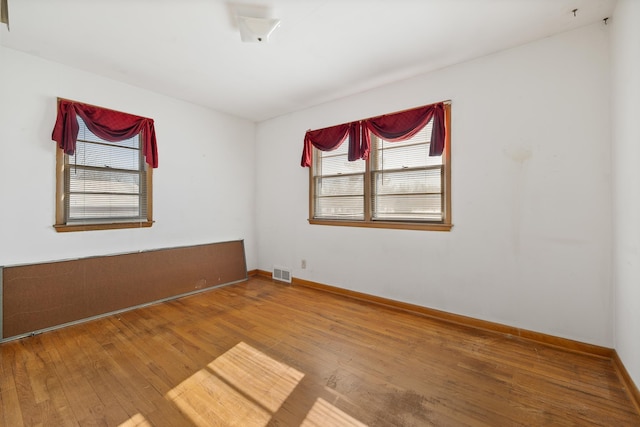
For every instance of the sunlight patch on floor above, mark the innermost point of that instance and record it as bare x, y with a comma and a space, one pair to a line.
257, 375
324, 414
242, 387
138, 420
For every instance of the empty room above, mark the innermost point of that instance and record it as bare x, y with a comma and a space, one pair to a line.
319, 213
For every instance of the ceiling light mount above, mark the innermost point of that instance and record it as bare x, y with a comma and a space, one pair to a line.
256, 30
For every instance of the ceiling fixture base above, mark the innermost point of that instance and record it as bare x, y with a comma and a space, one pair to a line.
256, 30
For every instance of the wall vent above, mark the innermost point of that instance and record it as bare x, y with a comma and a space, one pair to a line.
282, 274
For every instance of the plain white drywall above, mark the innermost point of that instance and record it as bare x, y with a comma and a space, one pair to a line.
625, 72
531, 242
203, 190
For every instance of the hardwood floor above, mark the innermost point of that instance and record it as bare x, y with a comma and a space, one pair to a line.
261, 353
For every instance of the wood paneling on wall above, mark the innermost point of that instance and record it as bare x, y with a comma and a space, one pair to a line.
41, 296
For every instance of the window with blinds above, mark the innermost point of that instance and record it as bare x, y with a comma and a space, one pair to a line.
338, 185
105, 182
399, 186
406, 183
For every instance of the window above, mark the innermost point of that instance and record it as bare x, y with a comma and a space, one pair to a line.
338, 185
102, 184
399, 186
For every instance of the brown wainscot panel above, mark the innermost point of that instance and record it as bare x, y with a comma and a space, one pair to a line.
41, 296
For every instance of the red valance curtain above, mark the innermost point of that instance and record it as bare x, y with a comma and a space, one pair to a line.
390, 127
107, 124
406, 124
330, 138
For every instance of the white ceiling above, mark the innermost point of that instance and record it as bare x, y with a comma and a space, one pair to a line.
323, 50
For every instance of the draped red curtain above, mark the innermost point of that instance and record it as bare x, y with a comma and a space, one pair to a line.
326, 139
390, 127
406, 124
107, 124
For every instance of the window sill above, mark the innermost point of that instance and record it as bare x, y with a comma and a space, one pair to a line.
422, 226
62, 228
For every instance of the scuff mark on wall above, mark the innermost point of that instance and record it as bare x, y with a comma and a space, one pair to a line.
520, 156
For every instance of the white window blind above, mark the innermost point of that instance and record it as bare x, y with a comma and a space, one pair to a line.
338, 185
105, 181
406, 183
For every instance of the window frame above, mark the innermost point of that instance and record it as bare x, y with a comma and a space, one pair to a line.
444, 225
61, 224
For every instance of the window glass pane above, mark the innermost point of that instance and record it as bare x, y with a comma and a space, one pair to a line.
338, 165
103, 181
408, 182
105, 156
390, 156
409, 207
103, 206
348, 208
340, 186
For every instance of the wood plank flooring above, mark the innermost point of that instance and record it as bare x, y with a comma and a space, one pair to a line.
261, 353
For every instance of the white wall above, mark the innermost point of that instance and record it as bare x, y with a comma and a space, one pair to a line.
625, 52
531, 243
204, 188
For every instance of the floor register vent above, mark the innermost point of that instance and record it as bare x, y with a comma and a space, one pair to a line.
282, 274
